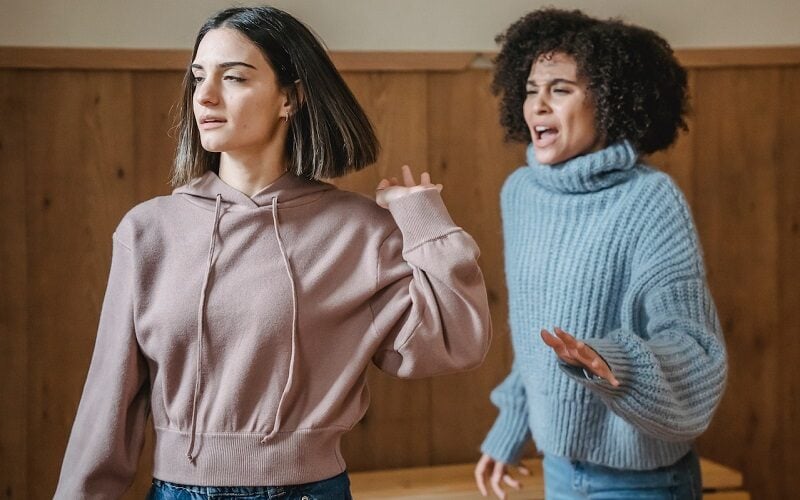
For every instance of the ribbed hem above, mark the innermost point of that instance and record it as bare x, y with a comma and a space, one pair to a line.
421, 217
288, 458
591, 432
507, 437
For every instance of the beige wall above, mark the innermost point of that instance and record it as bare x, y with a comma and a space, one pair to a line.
417, 25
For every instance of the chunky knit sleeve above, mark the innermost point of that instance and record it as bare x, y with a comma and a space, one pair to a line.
669, 354
108, 431
510, 432
430, 305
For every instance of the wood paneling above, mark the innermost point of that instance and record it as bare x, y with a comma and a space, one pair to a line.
82, 147
400, 412
736, 207
468, 156
13, 293
76, 194
787, 450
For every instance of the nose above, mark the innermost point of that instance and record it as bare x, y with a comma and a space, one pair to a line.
206, 93
540, 103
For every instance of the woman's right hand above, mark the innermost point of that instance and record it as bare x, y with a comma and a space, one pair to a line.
498, 474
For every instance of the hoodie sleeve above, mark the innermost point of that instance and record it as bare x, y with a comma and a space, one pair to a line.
430, 307
108, 431
672, 365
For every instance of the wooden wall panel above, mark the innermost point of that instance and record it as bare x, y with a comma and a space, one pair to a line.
85, 146
76, 194
13, 292
736, 209
400, 411
468, 156
155, 99
787, 452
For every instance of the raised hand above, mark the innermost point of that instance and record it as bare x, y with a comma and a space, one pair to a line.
391, 189
576, 353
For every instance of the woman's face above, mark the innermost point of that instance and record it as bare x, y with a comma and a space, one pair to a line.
559, 111
238, 104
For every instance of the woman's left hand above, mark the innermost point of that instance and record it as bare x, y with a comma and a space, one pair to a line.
576, 353
390, 189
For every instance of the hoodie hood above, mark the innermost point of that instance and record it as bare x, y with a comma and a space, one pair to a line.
289, 189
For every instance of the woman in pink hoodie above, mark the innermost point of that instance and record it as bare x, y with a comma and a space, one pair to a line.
243, 310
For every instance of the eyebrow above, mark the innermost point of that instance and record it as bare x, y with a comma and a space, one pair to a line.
226, 65
553, 81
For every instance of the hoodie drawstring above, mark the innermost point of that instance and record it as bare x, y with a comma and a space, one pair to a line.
200, 325
290, 376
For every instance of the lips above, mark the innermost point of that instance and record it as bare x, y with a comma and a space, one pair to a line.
210, 122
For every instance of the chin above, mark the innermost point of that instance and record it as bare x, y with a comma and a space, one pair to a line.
548, 159
212, 147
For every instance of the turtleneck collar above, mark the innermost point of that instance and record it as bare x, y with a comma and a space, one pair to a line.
583, 174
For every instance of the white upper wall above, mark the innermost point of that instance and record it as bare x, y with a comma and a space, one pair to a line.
404, 25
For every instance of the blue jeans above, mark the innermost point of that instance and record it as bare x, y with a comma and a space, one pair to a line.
335, 488
566, 479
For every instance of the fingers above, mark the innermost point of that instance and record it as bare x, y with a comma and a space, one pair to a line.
383, 184
601, 369
424, 179
587, 357
480, 473
559, 347
408, 177
551, 340
523, 470
577, 350
511, 482
497, 476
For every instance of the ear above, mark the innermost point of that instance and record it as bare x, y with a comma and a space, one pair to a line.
294, 96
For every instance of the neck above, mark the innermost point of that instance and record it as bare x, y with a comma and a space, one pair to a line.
251, 172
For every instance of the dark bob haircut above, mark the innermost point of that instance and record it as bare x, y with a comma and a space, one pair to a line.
637, 85
329, 134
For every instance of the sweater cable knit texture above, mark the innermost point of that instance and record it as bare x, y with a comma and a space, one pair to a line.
605, 248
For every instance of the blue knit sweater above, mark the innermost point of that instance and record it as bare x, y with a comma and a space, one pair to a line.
605, 248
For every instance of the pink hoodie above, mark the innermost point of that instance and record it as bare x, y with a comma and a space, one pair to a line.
245, 325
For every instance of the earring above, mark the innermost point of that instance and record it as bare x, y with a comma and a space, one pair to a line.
285, 118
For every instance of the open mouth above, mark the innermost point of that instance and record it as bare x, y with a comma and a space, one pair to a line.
543, 132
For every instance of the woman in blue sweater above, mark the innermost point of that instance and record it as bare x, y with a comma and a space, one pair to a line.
619, 358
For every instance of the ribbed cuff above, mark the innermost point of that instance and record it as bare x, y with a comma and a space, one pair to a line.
421, 217
507, 437
618, 358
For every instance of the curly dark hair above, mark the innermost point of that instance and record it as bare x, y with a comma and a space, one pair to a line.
637, 85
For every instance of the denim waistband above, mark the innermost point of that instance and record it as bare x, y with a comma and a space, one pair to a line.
165, 490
